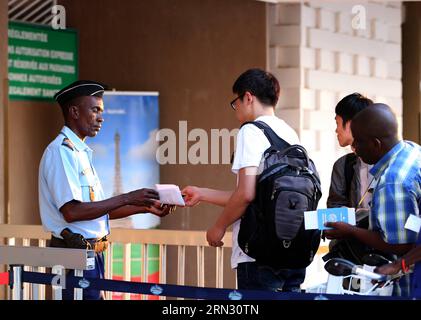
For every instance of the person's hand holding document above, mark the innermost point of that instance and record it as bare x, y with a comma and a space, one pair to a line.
170, 194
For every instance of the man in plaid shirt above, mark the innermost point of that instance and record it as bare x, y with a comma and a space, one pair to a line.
396, 185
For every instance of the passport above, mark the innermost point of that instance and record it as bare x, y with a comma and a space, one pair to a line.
317, 219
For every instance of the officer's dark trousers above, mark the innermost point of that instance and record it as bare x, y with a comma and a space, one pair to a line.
98, 272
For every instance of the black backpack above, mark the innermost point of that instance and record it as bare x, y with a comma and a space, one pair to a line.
272, 228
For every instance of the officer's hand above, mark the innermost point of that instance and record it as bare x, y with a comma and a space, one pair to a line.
143, 197
161, 210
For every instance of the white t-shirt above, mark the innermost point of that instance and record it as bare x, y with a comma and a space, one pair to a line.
251, 144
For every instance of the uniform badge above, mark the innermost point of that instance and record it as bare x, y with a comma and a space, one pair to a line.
69, 144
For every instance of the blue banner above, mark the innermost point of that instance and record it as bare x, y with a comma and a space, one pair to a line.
125, 148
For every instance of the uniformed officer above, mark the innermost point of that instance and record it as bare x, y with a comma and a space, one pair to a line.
71, 199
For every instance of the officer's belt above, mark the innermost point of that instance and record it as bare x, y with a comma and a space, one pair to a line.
98, 245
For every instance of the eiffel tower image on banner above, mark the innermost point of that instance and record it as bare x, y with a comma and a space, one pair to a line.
118, 184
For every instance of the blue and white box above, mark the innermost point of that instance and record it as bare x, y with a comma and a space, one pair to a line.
317, 219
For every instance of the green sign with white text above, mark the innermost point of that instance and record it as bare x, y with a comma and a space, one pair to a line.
41, 60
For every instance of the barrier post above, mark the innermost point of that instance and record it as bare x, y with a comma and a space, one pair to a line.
70, 259
58, 282
16, 282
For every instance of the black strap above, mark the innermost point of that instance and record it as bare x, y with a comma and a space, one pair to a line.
350, 161
273, 138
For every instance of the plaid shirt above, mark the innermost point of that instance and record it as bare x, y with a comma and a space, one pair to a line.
396, 195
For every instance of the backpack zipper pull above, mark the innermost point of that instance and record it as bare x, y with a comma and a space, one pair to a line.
273, 195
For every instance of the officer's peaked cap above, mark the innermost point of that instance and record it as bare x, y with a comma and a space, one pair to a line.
80, 88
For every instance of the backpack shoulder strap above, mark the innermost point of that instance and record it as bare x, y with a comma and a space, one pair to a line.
273, 138
350, 160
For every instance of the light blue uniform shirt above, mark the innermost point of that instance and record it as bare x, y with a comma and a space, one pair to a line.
66, 173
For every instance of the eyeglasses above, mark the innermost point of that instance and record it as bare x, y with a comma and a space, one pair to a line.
232, 103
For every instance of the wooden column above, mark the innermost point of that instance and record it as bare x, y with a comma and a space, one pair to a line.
3, 110
411, 72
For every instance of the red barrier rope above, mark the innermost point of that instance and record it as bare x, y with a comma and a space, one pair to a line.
4, 278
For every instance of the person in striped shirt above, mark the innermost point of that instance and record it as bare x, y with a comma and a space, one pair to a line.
396, 185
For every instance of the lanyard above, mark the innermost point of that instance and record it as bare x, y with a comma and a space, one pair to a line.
366, 192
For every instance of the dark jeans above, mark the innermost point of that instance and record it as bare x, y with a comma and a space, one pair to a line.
98, 272
252, 276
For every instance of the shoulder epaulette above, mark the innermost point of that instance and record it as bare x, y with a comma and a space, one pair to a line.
69, 144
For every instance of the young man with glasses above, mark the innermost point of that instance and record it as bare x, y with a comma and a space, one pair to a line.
257, 93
